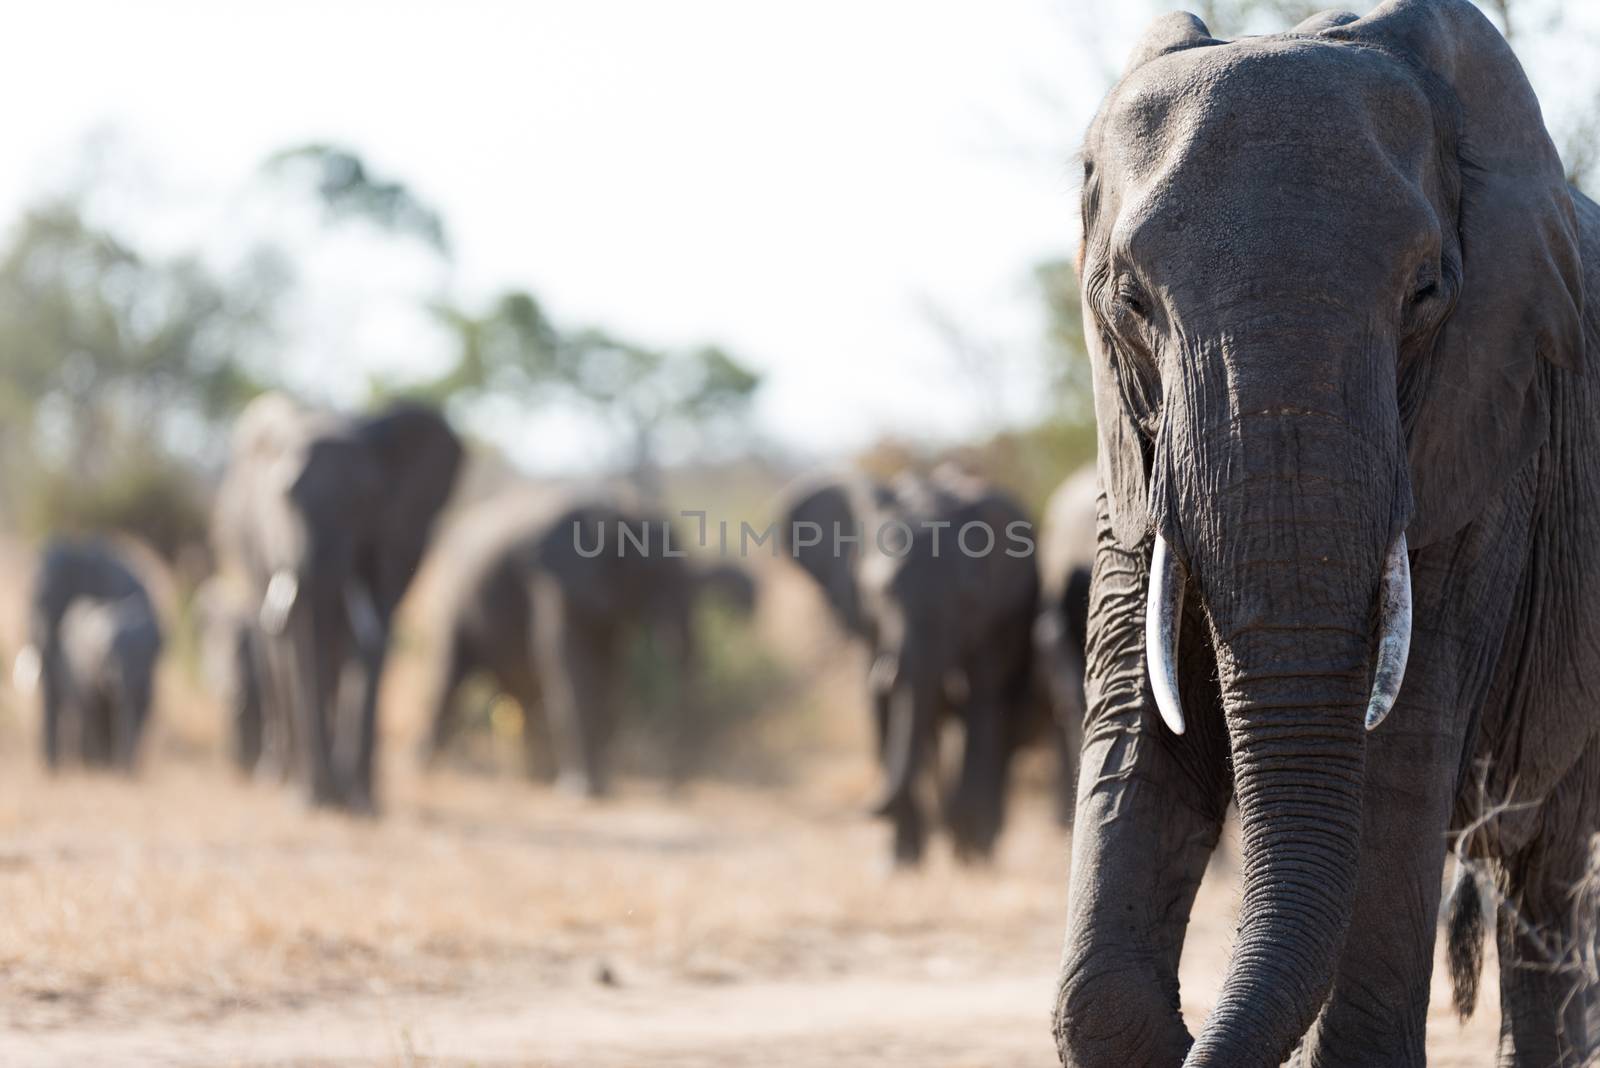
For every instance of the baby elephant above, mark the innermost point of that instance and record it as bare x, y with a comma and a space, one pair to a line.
98, 640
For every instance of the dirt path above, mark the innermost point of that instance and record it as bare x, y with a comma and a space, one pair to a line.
998, 1021
992, 1021
187, 918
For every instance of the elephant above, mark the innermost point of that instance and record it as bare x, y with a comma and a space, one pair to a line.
540, 595
1339, 298
326, 518
948, 630
98, 640
1066, 558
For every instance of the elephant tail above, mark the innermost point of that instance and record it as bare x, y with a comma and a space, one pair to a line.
1464, 940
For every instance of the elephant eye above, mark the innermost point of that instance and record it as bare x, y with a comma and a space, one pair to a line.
1130, 300
1423, 307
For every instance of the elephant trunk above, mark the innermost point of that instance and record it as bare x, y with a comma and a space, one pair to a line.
1288, 547
1298, 761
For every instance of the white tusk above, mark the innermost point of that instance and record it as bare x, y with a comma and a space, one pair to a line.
282, 591
26, 670
1163, 613
1394, 633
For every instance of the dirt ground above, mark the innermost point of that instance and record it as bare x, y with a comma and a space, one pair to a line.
190, 918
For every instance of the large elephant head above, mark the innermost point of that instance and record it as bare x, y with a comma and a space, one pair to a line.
1321, 272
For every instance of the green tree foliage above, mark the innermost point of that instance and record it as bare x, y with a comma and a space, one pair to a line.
513, 349
348, 189
1064, 351
116, 368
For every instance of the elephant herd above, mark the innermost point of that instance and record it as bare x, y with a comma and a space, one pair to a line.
321, 522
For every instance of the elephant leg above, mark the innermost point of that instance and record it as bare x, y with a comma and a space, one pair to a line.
576, 666
275, 764
450, 670
53, 700
246, 711
127, 720
358, 791
1376, 1013
315, 664
1067, 741
977, 807
95, 730
1377, 1008
522, 685
1149, 814
369, 627
910, 831
1549, 1010
905, 814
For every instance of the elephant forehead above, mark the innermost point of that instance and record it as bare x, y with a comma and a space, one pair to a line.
1235, 169
1260, 115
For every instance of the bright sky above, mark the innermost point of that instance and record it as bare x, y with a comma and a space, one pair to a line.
797, 181
794, 181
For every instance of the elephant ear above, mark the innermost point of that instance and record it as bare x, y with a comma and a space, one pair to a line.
1172, 32
1475, 413
1325, 20
845, 504
1123, 456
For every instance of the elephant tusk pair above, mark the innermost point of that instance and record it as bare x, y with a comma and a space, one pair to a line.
1164, 612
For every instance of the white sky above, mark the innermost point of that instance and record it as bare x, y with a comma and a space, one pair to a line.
794, 181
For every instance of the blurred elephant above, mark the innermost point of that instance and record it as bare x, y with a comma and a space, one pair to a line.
230, 660
1066, 558
541, 596
327, 517
947, 615
98, 639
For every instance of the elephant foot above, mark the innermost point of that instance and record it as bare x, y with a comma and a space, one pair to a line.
973, 855
324, 795
362, 805
581, 785
910, 843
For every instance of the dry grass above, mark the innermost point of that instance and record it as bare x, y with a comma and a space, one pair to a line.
188, 917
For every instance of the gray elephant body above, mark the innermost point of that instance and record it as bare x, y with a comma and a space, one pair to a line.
1338, 296
327, 518
948, 630
98, 640
541, 596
